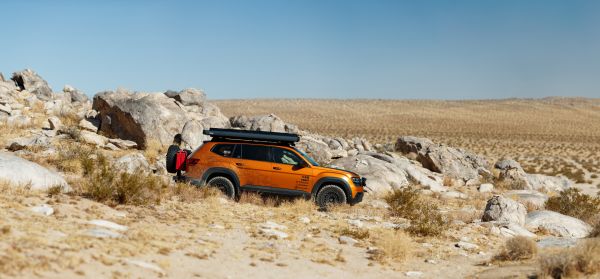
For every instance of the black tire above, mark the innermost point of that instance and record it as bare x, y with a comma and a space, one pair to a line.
171, 153
329, 195
223, 184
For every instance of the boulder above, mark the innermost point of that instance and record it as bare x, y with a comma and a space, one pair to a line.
20, 173
557, 224
52, 123
463, 166
18, 120
385, 172
188, 97
32, 82
28, 142
92, 138
139, 117
542, 182
267, 123
502, 209
132, 163
532, 197
91, 125
123, 144
485, 188
511, 175
316, 149
192, 135
75, 95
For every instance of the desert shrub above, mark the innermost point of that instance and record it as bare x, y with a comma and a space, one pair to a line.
392, 246
107, 184
517, 248
73, 132
595, 228
426, 220
190, 193
153, 150
581, 260
354, 232
574, 203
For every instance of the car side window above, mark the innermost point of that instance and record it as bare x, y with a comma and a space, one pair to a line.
225, 150
255, 152
284, 156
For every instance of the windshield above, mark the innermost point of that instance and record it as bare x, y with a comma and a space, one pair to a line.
312, 162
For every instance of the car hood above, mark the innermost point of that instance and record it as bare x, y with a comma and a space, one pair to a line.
339, 171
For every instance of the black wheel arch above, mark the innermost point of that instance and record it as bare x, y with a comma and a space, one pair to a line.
225, 172
332, 181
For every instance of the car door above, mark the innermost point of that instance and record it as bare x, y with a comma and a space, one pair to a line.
290, 171
254, 165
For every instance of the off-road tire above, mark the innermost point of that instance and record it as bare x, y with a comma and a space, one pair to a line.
329, 195
171, 154
223, 184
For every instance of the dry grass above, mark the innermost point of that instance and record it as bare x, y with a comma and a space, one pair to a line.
576, 204
190, 193
392, 246
354, 232
517, 248
580, 261
552, 136
423, 212
154, 149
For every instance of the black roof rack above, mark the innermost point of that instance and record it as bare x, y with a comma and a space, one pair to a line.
232, 134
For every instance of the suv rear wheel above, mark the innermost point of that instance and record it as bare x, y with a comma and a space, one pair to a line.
223, 184
329, 195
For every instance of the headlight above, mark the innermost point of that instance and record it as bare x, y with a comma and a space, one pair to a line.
357, 181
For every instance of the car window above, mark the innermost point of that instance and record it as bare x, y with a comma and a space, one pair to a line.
255, 152
224, 150
284, 156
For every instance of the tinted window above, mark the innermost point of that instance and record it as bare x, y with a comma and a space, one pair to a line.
255, 152
284, 156
223, 149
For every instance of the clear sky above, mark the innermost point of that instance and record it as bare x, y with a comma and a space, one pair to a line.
310, 49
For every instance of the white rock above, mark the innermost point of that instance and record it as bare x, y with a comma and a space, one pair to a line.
466, 245
216, 226
453, 195
133, 162
103, 233
108, 224
88, 126
557, 224
43, 209
486, 188
413, 273
272, 225
347, 240
147, 265
304, 220
355, 222
93, 138
20, 172
502, 209
274, 233
123, 144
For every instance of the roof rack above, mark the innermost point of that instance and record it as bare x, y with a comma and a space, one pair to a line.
232, 134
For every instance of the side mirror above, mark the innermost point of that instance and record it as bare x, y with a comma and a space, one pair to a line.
302, 164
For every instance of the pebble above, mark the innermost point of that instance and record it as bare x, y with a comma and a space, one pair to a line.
413, 273
43, 209
304, 220
355, 222
275, 233
108, 224
347, 240
466, 245
146, 265
103, 233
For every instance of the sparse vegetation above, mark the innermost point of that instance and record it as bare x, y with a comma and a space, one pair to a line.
354, 232
580, 261
426, 220
574, 203
517, 248
392, 245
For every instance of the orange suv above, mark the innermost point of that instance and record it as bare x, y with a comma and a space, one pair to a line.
266, 162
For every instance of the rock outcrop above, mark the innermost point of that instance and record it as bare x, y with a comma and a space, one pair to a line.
266, 123
462, 166
32, 82
139, 117
512, 176
502, 209
557, 224
387, 172
23, 173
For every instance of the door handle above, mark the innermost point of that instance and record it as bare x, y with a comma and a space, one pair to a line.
239, 164
276, 168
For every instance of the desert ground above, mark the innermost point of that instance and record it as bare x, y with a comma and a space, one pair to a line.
84, 192
551, 135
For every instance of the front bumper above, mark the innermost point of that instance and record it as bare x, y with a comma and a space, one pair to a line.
358, 198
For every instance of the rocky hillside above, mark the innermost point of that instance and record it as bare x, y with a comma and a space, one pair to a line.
85, 193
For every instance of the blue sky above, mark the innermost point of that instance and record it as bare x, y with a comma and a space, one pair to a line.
310, 49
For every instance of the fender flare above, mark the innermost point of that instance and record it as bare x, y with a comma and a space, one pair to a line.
331, 180
217, 170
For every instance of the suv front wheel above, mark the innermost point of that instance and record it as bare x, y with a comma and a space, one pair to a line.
223, 184
329, 195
